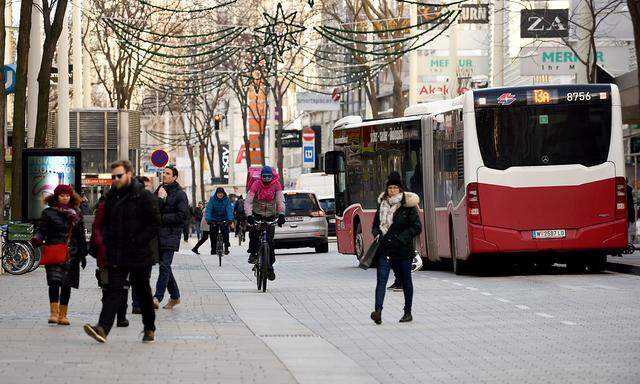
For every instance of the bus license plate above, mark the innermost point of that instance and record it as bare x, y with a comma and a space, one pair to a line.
294, 218
549, 234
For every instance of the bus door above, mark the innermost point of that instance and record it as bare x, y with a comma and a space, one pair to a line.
428, 124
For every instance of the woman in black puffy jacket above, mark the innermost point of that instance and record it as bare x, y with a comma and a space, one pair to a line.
61, 222
396, 224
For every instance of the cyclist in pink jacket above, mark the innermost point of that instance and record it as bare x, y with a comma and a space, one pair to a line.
264, 202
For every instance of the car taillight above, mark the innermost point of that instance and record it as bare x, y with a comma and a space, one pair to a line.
621, 198
473, 204
317, 214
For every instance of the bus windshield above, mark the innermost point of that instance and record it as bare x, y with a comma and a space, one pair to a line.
538, 135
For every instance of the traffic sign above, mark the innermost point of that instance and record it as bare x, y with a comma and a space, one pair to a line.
309, 155
9, 78
159, 158
308, 135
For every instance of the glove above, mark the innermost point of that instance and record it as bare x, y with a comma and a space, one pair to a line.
251, 220
83, 262
281, 220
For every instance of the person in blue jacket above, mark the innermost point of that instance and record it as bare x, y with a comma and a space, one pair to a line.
219, 212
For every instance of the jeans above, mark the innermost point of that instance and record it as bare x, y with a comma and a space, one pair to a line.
112, 296
198, 229
60, 294
213, 233
402, 269
166, 281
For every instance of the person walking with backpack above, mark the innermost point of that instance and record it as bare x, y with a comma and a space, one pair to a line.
396, 225
239, 215
61, 223
219, 210
129, 229
174, 213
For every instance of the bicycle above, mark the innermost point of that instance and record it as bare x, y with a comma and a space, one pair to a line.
241, 227
17, 253
219, 240
261, 267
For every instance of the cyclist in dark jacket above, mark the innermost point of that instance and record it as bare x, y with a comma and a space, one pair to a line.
61, 223
174, 212
219, 209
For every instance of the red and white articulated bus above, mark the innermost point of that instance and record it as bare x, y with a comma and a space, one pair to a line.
535, 171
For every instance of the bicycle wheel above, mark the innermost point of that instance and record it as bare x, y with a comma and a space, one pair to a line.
17, 258
265, 266
37, 254
258, 275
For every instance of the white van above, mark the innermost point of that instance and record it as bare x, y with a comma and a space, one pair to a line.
322, 185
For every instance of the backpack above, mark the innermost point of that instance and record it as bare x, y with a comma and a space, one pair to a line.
253, 176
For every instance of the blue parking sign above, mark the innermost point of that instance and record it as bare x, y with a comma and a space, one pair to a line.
309, 155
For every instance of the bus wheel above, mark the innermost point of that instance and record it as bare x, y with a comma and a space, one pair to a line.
359, 240
596, 263
458, 267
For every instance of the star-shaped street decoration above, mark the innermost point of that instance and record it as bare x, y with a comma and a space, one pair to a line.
280, 32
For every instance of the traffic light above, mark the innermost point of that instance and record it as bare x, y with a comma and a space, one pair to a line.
216, 122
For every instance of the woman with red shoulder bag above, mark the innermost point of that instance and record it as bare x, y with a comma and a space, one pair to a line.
61, 233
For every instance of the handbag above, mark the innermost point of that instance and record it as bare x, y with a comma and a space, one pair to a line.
367, 259
56, 254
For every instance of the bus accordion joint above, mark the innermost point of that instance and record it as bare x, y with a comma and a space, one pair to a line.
621, 198
473, 204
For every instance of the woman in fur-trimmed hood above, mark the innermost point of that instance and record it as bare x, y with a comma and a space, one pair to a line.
396, 224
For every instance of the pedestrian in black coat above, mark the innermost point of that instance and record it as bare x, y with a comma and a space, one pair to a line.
174, 212
130, 235
396, 224
61, 223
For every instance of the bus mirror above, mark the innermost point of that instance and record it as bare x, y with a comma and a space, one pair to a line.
450, 161
331, 162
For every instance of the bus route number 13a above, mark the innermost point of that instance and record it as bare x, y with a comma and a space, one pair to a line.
578, 96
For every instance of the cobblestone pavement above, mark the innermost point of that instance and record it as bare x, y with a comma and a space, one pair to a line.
313, 326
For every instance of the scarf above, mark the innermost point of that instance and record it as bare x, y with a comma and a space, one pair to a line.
388, 208
72, 215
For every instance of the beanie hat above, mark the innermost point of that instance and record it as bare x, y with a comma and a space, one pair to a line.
266, 171
63, 189
394, 179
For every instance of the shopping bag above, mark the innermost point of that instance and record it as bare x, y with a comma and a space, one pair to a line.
367, 259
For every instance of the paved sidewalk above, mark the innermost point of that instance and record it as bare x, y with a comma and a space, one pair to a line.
202, 340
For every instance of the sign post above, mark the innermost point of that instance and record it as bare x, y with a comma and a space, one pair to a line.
308, 148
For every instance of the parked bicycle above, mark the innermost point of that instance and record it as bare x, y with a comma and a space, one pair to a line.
17, 253
261, 267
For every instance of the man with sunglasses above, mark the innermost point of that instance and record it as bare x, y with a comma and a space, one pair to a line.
264, 201
129, 228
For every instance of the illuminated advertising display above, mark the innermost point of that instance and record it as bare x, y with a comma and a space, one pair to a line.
42, 171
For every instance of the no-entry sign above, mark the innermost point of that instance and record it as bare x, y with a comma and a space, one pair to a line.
159, 158
308, 134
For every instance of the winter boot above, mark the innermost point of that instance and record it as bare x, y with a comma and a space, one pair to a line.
407, 317
376, 316
62, 317
55, 310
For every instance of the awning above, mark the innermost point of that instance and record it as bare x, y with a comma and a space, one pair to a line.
628, 85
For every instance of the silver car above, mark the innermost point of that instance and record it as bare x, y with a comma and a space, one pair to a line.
306, 223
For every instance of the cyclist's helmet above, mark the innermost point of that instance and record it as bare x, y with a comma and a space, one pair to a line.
266, 174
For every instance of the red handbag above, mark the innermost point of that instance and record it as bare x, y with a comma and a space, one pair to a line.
56, 254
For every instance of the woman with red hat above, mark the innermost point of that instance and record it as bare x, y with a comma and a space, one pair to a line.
61, 222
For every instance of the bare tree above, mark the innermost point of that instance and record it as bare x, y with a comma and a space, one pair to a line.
3, 107
115, 30
634, 11
19, 106
52, 30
